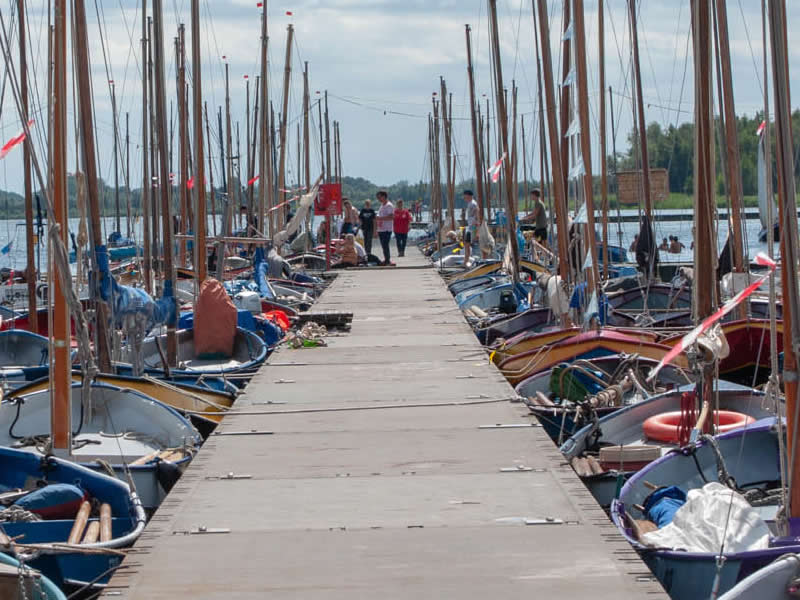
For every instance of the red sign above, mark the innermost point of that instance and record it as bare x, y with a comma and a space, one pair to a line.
329, 199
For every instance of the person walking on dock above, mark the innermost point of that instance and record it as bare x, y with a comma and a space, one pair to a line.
367, 219
472, 224
350, 218
402, 223
385, 220
538, 217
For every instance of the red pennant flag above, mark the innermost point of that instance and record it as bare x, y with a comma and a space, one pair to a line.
14, 141
259, 4
253, 180
190, 183
288, 13
761, 127
247, 76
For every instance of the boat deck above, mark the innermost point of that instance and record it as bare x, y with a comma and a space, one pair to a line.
392, 463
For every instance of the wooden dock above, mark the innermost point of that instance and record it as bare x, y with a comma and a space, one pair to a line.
391, 464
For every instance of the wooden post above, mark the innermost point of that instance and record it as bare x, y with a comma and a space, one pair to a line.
559, 190
603, 151
502, 118
60, 402
31, 275
287, 74
86, 120
476, 136
164, 187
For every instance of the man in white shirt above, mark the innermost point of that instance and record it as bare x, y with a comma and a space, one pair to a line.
472, 224
385, 221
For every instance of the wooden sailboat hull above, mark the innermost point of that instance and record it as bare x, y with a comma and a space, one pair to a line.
18, 469
752, 459
533, 319
586, 345
125, 428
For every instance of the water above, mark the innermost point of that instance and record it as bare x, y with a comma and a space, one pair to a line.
13, 230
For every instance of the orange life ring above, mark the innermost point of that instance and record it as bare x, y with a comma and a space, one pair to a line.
664, 427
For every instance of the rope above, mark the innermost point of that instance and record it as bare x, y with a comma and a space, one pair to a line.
16, 514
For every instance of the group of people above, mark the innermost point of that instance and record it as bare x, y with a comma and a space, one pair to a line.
387, 220
673, 245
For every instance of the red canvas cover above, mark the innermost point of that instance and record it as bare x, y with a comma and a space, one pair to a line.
214, 321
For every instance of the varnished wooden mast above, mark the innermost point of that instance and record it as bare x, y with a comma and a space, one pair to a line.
30, 268
265, 164
199, 187
603, 150
211, 173
327, 140
559, 190
306, 128
146, 182
731, 145
513, 174
183, 118
86, 120
163, 172
252, 153
476, 136
502, 118
788, 227
229, 155
128, 174
287, 74
60, 403
641, 122
117, 213
448, 158
586, 143
565, 99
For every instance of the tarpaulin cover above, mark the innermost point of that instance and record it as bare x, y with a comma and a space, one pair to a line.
661, 506
215, 318
712, 516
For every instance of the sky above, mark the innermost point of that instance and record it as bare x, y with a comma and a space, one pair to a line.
380, 61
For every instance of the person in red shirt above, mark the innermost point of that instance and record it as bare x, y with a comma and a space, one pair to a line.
402, 223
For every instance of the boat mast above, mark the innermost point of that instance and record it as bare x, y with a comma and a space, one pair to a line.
211, 172
603, 150
476, 136
146, 182
287, 75
448, 158
327, 139
60, 399
563, 120
183, 118
116, 158
229, 156
585, 142
788, 228
86, 120
502, 118
251, 171
199, 187
30, 269
642, 126
163, 176
514, 175
559, 189
128, 174
731, 144
436, 187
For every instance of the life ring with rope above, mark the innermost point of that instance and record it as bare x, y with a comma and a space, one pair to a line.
664, 427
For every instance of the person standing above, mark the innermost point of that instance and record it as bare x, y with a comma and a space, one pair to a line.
471, 232
367, 220
350, 218
402, 223
538, 217
385, 220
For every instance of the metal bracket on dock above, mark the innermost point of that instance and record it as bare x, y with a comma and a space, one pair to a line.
509, 425
230, 475
251, 432
202, 530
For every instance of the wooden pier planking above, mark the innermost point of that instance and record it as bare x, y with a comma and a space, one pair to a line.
346, 484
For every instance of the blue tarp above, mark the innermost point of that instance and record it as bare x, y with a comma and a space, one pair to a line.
661, 506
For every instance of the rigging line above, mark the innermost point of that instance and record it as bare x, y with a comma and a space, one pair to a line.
628, 71
650, 58
750, 46
35, 98
675, 61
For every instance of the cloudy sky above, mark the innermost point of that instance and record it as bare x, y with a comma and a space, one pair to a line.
380, 61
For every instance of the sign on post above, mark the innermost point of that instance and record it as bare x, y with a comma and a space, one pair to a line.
328, 200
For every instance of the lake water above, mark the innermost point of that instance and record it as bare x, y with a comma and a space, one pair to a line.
13, 231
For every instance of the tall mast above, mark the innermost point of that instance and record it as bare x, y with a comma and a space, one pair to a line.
30, 270
732, 143
436, 183
476, 136
146, 182
603, 151
524, 162
248, 164
287, 74
559, 190
502, 118
513, 174
586, 143
163, 174
306, 129
448, 155
210, 172
565, 98
251, 171
90, 167
154, 212
229, 156
60, 404
183, 158
128, 174
327, 139
200, 265
116, 157
788, 228
265, 180
321, 142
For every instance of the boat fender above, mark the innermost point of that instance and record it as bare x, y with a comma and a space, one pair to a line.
54, 501
664, 427
167, 474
